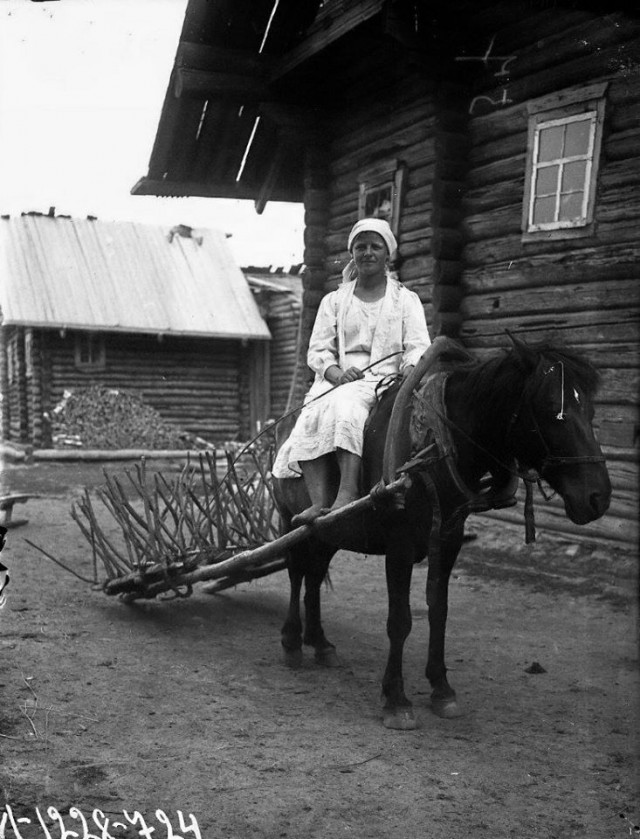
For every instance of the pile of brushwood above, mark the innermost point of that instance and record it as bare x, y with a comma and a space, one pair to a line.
99, 417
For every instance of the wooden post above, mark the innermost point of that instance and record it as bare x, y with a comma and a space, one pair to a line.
316, 217
21, 387
4, 385
33, 356
447, 242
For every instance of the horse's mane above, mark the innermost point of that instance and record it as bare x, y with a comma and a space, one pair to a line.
492, 383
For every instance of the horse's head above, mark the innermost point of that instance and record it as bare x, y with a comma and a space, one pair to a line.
552, 428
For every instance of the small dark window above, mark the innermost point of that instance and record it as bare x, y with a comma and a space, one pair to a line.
90, 351
380, 192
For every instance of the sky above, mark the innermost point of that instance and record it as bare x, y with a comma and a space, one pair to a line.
81, 89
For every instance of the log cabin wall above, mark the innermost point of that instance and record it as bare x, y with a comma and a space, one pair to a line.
283, 320
404, 119
281, 308
194, 383
396, 121
15, 391
581, 291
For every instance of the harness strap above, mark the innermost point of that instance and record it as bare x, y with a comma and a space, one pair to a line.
397, 446
435, 534
529, 516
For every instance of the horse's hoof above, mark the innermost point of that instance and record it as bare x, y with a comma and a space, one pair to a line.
293, 659
327, 657
446, 707
400, 719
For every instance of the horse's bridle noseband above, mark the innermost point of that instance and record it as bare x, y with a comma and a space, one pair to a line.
528, 392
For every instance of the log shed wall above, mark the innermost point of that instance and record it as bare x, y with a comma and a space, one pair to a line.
197, 384
281, 308
581, 291
15, 390
283, 321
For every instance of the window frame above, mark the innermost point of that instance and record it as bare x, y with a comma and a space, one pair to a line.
97, 352
562, 108
387, 176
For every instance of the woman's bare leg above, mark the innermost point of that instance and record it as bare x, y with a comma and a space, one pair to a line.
317, 478
348, 490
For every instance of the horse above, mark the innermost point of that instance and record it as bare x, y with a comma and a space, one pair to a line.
469, 430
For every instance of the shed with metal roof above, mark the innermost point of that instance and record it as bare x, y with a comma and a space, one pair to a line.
164, 312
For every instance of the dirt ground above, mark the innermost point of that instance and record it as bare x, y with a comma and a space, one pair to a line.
141, 711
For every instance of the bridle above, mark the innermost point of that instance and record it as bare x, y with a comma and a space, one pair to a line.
530, 477
525, 402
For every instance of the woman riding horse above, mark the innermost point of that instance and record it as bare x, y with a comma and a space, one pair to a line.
368, 318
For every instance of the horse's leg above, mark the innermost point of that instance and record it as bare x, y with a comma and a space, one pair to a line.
398, 712
316, 571
443, 696
309, 562
291, 635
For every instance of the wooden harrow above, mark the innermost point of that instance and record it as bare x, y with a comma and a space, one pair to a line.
153, 535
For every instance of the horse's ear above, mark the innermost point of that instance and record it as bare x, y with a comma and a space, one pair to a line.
522, 352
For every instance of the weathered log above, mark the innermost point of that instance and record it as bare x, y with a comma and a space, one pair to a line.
609, 528
447, 298
588, 264
498, 172
579, 328
418, 268
560, 297
446, 243
245, 576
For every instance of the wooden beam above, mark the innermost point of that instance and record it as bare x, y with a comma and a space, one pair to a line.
305, 123
327, 32
278, 160
244, 62
206, 84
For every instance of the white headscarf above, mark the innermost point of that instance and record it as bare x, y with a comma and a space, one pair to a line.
369, 225
374, 225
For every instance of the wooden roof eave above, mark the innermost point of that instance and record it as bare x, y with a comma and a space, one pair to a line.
246, 78
130, 330
196, 189
244, 75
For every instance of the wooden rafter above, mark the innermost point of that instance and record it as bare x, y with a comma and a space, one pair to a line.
207, 84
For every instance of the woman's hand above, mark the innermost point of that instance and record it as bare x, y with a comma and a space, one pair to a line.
336, 376
351, 375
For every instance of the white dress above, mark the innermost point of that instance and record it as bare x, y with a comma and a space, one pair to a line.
350, 332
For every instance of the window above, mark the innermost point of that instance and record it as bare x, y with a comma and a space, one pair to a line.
381, 192
565, 135
89, 351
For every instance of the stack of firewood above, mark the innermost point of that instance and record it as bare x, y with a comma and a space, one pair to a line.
108, 418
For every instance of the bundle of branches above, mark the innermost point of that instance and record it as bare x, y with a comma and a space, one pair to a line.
109, 418
147, 530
